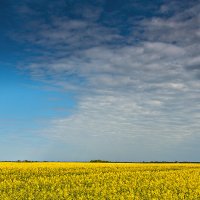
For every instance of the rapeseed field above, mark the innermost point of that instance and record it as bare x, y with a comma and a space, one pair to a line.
121, 181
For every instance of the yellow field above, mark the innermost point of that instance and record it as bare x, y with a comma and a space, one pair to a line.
99, 181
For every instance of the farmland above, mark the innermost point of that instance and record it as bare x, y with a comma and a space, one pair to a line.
59, 180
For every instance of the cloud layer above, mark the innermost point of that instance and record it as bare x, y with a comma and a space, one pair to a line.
136, 83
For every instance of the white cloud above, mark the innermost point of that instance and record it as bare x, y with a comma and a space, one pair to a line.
121, 120
128, 91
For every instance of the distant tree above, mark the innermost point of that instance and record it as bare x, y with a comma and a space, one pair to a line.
99, 161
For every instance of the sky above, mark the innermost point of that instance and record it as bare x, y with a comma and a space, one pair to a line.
100, 79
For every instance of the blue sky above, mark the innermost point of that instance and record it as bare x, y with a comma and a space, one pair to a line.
113, 80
